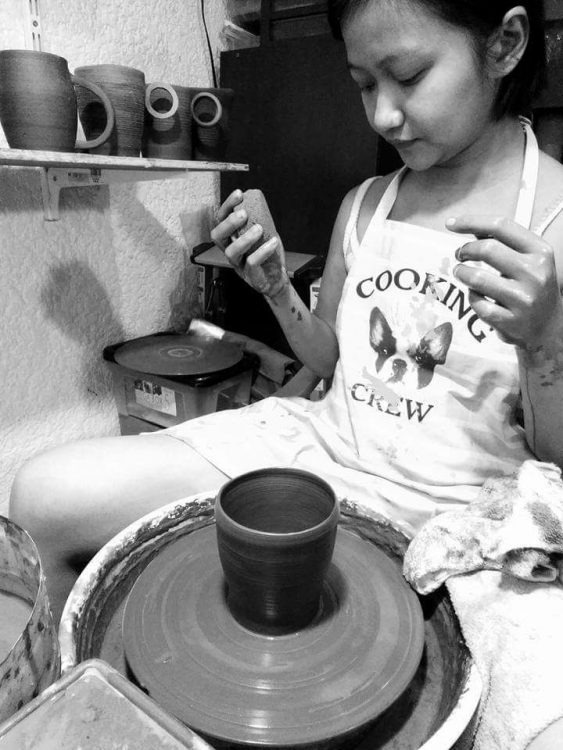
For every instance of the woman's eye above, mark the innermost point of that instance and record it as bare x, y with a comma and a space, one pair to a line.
411, 80
365, 88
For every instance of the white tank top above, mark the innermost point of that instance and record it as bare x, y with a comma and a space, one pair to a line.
424, 393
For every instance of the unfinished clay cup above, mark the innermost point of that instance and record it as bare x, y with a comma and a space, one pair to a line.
38, 108
168, 122
211, 112
276, 530
125, 88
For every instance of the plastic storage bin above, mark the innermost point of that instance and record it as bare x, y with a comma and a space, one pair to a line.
147, 402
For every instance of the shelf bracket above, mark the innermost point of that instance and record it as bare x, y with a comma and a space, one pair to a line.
54, 179
32, 24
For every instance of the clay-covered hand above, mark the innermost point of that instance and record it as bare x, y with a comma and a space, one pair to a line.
260, 264
516, 291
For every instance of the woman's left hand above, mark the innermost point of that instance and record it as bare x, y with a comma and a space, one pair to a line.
523, 303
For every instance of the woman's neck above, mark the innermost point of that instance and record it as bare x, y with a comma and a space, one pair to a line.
484, 178
490, 159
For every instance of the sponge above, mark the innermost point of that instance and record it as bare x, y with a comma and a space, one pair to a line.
256, 207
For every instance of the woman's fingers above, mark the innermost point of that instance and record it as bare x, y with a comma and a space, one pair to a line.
238, 249
499, 318
233, 200
495, 254
504, 230
504, 291
228, 220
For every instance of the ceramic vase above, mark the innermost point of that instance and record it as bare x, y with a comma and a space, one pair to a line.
168, 122
211, 111
276, 530
38, 108
125, 88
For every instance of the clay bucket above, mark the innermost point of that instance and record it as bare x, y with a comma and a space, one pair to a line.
29, 650
436, 710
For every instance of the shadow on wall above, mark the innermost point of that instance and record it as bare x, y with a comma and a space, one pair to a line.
78, 304
157, 240
20, 192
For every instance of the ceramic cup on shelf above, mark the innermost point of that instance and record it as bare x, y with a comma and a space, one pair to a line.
168, 122
38, 108
211, 112
125, 88
276, 530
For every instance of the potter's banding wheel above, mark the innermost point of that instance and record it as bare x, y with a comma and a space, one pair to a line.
338, 674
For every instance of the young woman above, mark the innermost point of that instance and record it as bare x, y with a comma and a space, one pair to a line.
439, 320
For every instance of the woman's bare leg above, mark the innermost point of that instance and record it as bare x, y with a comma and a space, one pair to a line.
74, 498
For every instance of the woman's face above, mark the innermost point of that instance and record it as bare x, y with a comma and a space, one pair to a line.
422, 86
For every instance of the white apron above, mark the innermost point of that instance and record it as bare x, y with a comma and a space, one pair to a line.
422, 405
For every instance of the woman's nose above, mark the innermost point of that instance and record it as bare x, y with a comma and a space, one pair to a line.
387, 115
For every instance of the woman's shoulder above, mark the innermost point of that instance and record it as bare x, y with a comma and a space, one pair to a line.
370, 191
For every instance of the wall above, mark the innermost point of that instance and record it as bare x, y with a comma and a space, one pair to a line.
115, 266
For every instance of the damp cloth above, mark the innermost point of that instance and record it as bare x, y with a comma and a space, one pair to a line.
501, 557
515, 525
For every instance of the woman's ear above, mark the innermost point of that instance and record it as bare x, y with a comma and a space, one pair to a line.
509, 42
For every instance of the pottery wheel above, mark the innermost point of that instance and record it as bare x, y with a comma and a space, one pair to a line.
339, 673
178, 354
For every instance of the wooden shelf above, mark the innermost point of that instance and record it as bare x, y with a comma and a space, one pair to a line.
67, 170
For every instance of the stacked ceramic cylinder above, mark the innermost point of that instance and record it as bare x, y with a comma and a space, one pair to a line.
168, 122
125, 88
41, 101
187, 123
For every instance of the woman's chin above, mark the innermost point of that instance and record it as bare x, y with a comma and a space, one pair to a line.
417, 162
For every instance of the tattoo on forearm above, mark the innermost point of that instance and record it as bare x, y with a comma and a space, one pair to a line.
299, 316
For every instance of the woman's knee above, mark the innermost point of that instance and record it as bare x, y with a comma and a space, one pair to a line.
50, 492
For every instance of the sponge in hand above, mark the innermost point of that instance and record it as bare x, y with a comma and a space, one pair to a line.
256, 207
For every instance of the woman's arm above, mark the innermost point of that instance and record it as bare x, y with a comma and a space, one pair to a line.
311, 336
523, 304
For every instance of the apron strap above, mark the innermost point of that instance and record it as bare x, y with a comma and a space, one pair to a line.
527, 194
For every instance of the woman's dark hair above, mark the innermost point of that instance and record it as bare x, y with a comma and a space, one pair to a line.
480, 18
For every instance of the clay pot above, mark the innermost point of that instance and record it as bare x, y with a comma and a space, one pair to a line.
125, 88
29, 648
211, 111
168, 122
38, 103
276, 530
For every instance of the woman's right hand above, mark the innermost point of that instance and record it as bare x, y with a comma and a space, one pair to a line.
263, 268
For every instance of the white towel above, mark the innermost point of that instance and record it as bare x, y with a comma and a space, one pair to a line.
502, 559
514, 631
